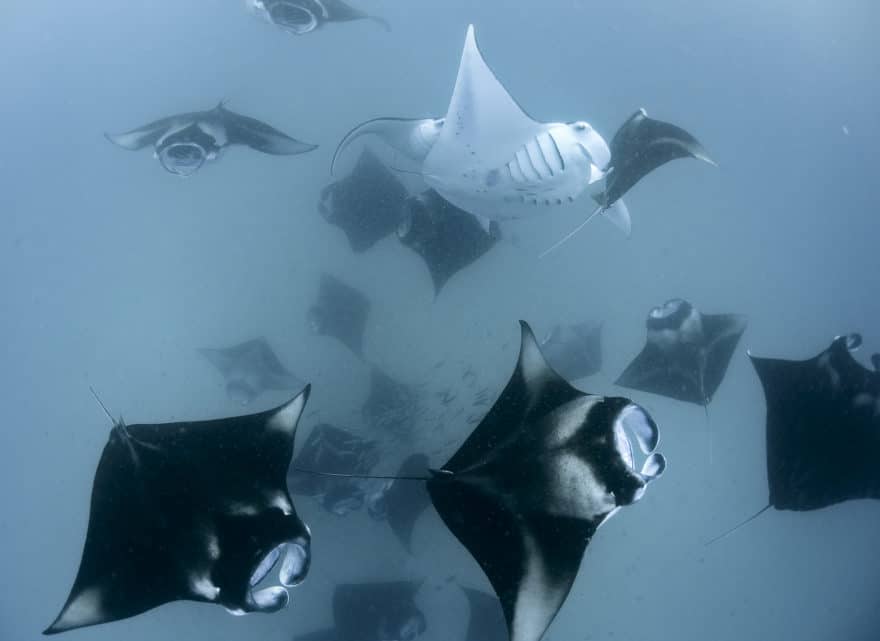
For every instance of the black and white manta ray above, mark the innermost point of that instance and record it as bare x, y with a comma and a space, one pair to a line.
380, 611
575, 351
333, 450
529, 487
194, 511
640, 146
447, 238
491, 159
823, 427
182, 143
366, 204
341, 311
686, 354
250, 368
299, 17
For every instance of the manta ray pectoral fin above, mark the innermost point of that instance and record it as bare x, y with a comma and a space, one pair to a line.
618, 215
244, 130
142, 136
413, 137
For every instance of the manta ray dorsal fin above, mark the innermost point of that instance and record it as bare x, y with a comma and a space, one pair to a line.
484, 126
286, 417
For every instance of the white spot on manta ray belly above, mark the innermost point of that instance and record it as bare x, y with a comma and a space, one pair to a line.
202, 585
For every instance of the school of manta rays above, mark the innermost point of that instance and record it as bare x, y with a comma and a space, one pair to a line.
203, 510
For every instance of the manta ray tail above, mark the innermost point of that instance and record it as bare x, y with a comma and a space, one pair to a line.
360, 476
736, 527
616, 213
571, 234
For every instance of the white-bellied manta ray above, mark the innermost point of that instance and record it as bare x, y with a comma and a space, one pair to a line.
489, 158
184, 142
195, 511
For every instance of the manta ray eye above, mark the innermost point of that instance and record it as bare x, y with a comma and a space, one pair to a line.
292, 17
182, 158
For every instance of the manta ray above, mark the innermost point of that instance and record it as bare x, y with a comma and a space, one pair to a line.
249, 369
527, 490
445, 237
373, 611
489, 158
340, 312
686, 353
196, 511
366, 205
299, 17
184, 142
822, 429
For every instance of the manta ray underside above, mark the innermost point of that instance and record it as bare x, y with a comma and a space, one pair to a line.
195, 511
529, 487
686, 354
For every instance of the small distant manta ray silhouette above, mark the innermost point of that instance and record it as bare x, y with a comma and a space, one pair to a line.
250, 368
366, 204
333, 449
446, 238
533, 482
686, 354
341, 312
299, 17
184, 142
373, 611
823, 429
489, 158
193, 510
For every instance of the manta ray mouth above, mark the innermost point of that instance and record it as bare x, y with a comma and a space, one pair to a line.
636, 421
182, 158
292, 17
294, 568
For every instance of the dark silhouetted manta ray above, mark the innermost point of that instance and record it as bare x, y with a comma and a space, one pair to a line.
686, 354
366, 204
250, 368
340, 312
373, 611
333, 450
446, 238
195, 511
823, 429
